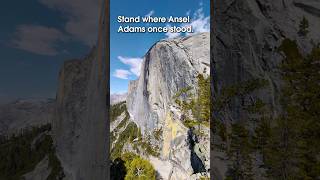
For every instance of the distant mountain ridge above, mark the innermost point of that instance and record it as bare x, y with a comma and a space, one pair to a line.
24, 114
117, 97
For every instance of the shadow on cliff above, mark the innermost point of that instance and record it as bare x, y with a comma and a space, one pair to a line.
196, 162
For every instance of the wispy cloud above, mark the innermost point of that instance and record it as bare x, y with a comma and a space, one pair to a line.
122, 73
150, 13
199, 22
134, 64
171, 34
82, 17
37, 39
81, 25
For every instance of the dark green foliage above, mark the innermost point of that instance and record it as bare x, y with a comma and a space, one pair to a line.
303, 27
145, 144
131, 166
181, 92
239, 90
295, 140
112, 137
237, 141
123, 122
56, 168
140, 169
221, 130
157, 133
239, 153
18, 155
256, 107
116, 110
189, 123
131, 133
290, 143
128, 135
201, 109
198, 104
128, 157
261, 139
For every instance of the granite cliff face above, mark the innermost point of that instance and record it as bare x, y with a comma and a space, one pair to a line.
80, 125
65, 138
167, 68
247, 35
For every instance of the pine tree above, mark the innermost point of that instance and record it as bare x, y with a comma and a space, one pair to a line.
294, 145
303, 27
239, 153
203, 99
262, 136
140, 169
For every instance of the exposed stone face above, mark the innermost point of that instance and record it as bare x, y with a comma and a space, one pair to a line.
168, 66
247, 36
24, 114
80, 125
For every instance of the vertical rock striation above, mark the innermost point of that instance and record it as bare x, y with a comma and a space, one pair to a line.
170, 66
80, 125
246, 37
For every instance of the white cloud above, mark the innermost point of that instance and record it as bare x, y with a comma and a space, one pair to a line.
134, 63
122, 73
150, 13
81, 24
37, 39
82, 17
199, 23
171, 34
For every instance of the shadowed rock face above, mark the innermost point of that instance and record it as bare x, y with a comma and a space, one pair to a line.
247, 36
80, 124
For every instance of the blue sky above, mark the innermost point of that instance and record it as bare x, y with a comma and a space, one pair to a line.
127, 49
36, 37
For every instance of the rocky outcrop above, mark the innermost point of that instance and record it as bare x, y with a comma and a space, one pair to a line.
168, 67
246, 38
80, 125
24, 114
